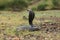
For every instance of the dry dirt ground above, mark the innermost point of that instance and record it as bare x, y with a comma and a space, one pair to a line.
49, 28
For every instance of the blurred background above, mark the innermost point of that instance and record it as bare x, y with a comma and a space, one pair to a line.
18, 5
13, 14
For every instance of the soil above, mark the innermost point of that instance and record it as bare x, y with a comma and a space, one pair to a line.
50, 31
52, 26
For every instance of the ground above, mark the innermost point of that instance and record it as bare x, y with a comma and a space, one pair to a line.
49, 21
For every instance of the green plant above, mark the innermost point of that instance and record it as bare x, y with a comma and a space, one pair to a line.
4, 4
19, 4
15, 4
2, 7
55, 2
41, 7
34, 8
29, 0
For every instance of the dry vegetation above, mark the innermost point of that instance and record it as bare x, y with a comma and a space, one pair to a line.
47, 20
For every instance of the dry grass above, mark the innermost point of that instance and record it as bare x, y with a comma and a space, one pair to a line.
10, 20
